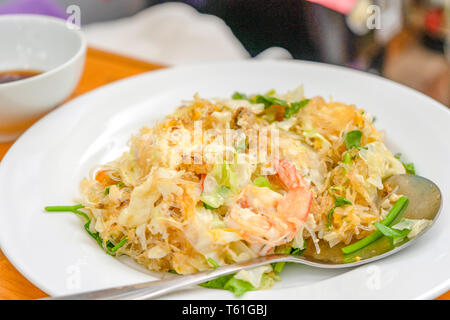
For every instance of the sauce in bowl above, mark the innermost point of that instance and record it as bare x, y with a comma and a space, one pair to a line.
16, 75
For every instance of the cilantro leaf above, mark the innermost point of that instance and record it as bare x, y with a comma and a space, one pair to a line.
239, 96
298, 251
341, 201
338, 202
295, 107
353, 139
409, 167
269, 101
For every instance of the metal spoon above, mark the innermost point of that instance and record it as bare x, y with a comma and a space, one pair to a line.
425, 202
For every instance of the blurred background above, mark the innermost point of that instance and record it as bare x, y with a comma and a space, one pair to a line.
407, 41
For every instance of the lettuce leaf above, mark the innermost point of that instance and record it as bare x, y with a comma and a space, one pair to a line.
230, 283
262, 182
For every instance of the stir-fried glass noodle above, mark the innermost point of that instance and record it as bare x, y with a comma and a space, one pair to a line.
225, 180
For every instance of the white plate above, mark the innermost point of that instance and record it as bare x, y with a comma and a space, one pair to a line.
45, 165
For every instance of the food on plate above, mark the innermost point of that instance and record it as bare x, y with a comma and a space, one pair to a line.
225, 180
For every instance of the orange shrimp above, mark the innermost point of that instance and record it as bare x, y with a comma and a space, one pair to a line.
103, 177
265, 217
288, 174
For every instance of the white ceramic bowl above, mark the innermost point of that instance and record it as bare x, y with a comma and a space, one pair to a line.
41, 43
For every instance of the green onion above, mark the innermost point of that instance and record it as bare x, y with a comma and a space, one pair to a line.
213, 263
347, 158
109, 248
390, 232
279, 266
399, 206
330, 216
117, 246
64, 208
270, 101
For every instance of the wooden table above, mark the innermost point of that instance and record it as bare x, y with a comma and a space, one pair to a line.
101, 68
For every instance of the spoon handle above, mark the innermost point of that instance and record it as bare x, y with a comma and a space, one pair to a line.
153, 289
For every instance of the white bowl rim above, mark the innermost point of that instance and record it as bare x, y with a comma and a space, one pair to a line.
37, 17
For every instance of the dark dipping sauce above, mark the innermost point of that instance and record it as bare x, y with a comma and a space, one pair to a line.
16, 75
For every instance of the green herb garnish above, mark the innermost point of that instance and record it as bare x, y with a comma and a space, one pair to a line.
409, 167
295, 107
279, 266
341, 201
347, 158
393, 234
213, 263
109, 248
239, 96
400, 205
353, 139
242, 146
262, 182
268, 100
228, 282
338, 202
